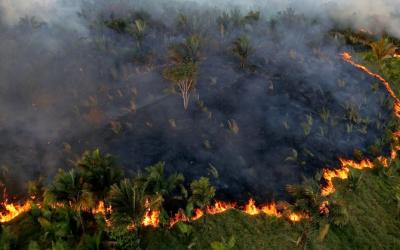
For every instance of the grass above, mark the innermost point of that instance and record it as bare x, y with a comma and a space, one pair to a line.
373, 224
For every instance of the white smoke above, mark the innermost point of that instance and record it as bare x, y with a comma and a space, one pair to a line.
373, 15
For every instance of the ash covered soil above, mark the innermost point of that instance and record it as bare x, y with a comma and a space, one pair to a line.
260, 130
294, 109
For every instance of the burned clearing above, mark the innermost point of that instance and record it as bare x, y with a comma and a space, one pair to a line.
273, 101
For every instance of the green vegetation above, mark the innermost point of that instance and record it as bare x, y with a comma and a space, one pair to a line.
362, 213
241, 48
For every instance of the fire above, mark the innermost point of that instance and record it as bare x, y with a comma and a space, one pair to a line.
271, 210
13, 210
101, 209
220, 207
347, 57
151, 218
394, 153
179, 216
250, 208
324, 208
360, 165
343, 171
198, 213
384, 161
329, 175
296, 217
396, 108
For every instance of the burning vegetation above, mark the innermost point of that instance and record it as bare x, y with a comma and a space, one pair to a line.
260, 112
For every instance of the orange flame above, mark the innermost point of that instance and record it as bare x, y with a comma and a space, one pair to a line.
347, 57
179, 216
324, 208
384, 161
329, 175
151, 218
271, 210
13, 210
342, 172
394, 152
198, 213
220, 207
296, 217
101, 209
360, 165
250, 208
396, 109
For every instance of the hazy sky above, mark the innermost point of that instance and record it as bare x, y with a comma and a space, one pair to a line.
368, 14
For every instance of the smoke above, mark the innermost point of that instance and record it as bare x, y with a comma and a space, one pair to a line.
376, 16
71, 81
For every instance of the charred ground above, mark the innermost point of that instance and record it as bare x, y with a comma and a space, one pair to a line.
294, 107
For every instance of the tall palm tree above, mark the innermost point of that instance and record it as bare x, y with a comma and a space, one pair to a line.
382, 49
99, 172
242, 49
184, 77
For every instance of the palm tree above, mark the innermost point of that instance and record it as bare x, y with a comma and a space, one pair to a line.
324, 211
184, 76
36, 188
157, 183
308, 196
130, 202
68, 189
187, 52
99, 172
202, 192
242, 49
382, 49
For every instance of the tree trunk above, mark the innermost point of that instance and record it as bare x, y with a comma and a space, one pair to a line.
185, 87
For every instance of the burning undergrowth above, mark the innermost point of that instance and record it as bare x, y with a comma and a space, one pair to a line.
273, 100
